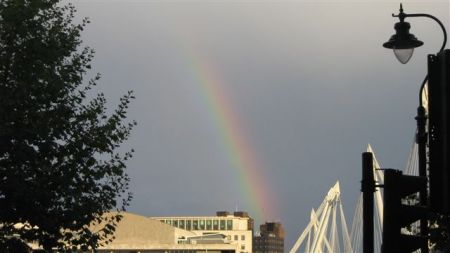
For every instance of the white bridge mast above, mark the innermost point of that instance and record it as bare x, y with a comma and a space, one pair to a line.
322, 234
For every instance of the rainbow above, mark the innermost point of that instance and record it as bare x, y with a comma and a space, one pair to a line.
248, 168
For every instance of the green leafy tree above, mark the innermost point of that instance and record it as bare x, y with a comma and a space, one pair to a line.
60, 168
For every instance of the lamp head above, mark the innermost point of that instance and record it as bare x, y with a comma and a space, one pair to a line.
403, 42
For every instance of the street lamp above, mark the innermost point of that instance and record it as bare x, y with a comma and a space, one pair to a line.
403, 44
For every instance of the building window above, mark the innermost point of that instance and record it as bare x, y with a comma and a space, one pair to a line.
195, 224
243, 237
215, 224
181, 224
229, 225
175, 223
243, 246
188, 224
202, 224
236, 237
222, 224
208, 225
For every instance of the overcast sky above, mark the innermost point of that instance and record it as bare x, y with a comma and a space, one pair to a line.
307, 83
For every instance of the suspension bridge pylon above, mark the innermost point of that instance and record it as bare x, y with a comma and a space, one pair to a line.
322, 235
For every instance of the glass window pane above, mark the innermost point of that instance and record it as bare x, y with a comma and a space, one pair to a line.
181, 224
222, 224
229, 225
188, 224
175, 223
202, 224
208, 225
195, 224
215, 224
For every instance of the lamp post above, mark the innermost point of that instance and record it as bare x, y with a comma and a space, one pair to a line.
403, 44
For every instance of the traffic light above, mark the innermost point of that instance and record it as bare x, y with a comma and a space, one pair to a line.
397, 215
439, 130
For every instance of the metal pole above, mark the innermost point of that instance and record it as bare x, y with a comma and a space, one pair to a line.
421, 140
367, 188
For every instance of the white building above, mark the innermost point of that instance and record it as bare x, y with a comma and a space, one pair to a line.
140, 234
237, 228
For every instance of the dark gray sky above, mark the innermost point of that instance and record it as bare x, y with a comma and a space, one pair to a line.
308, 81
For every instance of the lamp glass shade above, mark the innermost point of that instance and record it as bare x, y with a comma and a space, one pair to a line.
403, 42
403, 55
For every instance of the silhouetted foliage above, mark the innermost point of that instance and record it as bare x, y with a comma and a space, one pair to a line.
15, 245
59, 166
439, 232
438, 229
